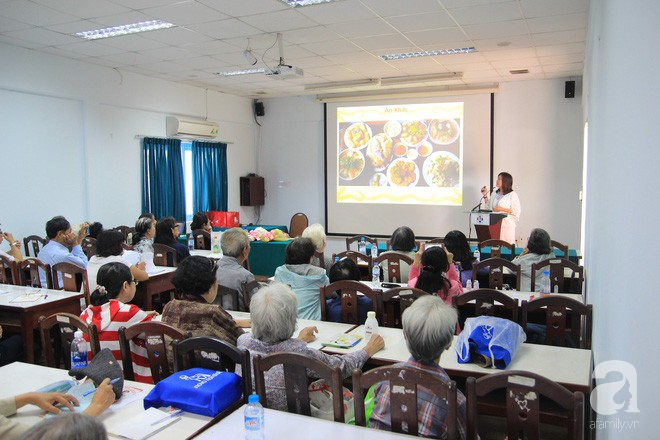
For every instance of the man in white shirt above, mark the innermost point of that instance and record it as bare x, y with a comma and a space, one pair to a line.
63, 247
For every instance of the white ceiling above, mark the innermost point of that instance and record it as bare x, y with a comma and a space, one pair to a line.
338, 41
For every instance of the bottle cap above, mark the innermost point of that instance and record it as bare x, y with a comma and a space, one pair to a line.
253, 398
78, 334
371, 314
546, 272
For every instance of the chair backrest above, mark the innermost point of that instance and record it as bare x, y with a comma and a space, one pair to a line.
403, 297
522, 398
436, 240
557, 271
9, 271
348, 292
486, 302
296, 381
73, 279
562, 247
356, 257
298, 224
388, 245
393, 266
403, 402
35, 243
496, 247
60, 327
29, 273
154, 334
89, 246
496, 271
127, 247
563, 317
246, 288
224, 291
165, 255
202, 239
124, 230
356, 239
214, 354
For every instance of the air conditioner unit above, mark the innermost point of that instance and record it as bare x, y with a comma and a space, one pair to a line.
176, 126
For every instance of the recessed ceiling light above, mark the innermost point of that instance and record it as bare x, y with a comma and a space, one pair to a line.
241, 72
519, 71
296, 3
124, 29
427, 53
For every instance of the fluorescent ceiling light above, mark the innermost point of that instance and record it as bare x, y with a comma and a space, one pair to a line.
398, 80
124, 29
296, 3
241, 72
343, 84
427, 53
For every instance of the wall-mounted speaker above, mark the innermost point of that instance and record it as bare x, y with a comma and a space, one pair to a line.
259, 108
569, 89
252, 191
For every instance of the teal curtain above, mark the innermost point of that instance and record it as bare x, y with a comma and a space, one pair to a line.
209, 164
163, 191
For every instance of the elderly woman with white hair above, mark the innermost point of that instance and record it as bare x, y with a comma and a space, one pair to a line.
316, 233
273, 311
428, 328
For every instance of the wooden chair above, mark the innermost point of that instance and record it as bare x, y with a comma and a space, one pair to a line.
247, 288
357, 257
127, 247
298, 224
437, 240
393, 260
321, 257
558, 280
496, 247
29, 273
356, 239
396, 301
496, 272
562, 247
9, 271
348, 292
35, 242
165, 255
73, 279
489, 302
89, 246
232, 294
563, 317
403, 402
202, 239
56, 335
124, 230
388, 246
155, 334
295, 367
524, 398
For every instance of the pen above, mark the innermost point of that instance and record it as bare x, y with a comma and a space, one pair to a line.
45, 297
112, 382
173, 414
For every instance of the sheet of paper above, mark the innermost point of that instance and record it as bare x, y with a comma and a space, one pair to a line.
27, 297
144, 424
129, 395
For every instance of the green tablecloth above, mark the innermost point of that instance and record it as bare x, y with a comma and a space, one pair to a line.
266, 257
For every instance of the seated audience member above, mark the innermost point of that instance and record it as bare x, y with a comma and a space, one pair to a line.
538, 249
63, 246
14, 253
346, 269
402, 241
11, 349
167, 232
273, 313
235, 245
456, 243
95, 229
196, 286
145, 231
428, 328
108, 250
10, 430
433, 272
316, 233
72, 426
304, 279
110, 310
201, 221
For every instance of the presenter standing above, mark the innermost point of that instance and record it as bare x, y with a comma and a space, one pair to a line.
505, 199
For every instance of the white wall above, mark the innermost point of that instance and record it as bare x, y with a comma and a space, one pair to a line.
622, 93
69, 138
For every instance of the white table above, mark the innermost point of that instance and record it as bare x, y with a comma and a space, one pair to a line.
157, 283
206, 253
18, 378
284, 425
528, 296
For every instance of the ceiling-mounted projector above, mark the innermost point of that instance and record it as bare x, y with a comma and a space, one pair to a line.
285, 72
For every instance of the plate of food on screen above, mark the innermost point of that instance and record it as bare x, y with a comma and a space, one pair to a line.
403, 172
442, 169
378, 179
357, 135
443, 131
413, 133
379, 151
351, 164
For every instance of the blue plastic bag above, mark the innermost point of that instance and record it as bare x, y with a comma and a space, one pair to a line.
488, 340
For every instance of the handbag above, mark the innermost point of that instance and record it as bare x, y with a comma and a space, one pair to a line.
489, 341
320, 399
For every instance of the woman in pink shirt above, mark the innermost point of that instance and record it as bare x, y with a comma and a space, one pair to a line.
432, 271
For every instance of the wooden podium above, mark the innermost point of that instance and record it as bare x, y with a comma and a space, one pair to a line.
487, 224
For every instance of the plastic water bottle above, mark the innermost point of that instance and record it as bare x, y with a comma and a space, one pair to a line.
375, 276
336, 260
370, 325
191, 242
475, 285
129, 239
254, 419
362, 246
477, 254
468, 285
545, 282
78, 351
374, 251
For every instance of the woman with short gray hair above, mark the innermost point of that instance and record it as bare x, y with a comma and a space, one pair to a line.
273, 312
428, 328
73, 426
538, 249
316, 233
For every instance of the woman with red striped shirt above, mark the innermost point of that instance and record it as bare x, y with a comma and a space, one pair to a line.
109, 311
